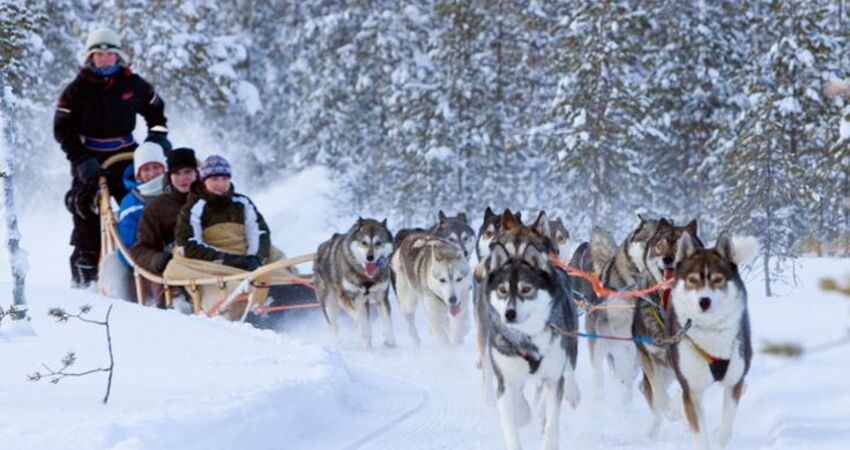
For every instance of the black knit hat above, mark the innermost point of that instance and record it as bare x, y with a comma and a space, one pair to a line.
180, 158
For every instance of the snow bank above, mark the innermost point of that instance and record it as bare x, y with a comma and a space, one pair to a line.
179, 382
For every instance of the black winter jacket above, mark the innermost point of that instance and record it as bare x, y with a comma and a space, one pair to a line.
99, 107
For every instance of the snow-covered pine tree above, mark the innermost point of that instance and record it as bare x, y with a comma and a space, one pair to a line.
767, 188
20, 55
831, 179
595, 120
697, 48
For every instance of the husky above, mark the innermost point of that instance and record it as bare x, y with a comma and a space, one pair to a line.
710, 293
515, 237
559, 235
619, 269
649, 317
352, 271
433, 270
488, 231
457, 230
529, 311
581, 288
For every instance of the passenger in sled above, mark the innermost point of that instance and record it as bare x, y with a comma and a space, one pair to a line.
145, 180
221, 233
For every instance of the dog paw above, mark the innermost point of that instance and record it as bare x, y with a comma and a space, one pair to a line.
572, 393
523, 410
652, 432
722, 436
654, 427
671, 412
627, 396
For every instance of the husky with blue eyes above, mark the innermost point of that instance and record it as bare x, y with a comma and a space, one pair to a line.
433, 271
530, 315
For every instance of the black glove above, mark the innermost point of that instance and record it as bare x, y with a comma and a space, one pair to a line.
163, 261
253, 262
160, 138
80, 202
89, 169
237, 261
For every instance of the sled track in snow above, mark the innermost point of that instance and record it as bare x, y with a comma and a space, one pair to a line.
424, 399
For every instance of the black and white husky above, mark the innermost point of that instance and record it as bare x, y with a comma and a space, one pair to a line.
709, 292
529, 311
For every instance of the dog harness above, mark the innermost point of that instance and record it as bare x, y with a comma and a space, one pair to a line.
718, 366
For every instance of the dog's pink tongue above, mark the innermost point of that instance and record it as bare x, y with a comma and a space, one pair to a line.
454, 310
371, 269
669, 274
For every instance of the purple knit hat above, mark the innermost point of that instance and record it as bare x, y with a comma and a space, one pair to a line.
214, 166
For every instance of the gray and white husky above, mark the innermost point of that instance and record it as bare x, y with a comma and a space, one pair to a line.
619, 269
433, 271
560, 236
455, 229
515, 237
528, 313
351, 272
710, 293
489, 229
649, 316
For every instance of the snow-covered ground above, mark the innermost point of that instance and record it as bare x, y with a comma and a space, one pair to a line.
192, 382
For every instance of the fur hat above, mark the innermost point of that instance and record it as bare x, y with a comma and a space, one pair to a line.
214, 166
180, 158
105, 40
148, 153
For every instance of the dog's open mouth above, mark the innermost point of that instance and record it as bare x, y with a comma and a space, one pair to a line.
371, 269
669, 273
454, 310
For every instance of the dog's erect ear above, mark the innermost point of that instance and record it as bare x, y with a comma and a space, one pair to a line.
724, 245
541, 225
462, 217
498, 257
691, 227
488, 213
509, 221
687, 247
359, 221
664, 223
518, 217
535, 259
441, 216
387, 229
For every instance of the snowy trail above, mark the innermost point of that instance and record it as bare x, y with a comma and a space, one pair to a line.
387, 427
194, 383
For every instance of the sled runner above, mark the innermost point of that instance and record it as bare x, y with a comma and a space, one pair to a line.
235, 294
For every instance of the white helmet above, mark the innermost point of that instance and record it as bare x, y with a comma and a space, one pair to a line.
105, 40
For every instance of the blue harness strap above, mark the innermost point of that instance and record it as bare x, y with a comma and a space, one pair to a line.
108, 144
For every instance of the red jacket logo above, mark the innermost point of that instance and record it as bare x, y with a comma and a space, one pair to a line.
127, 95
